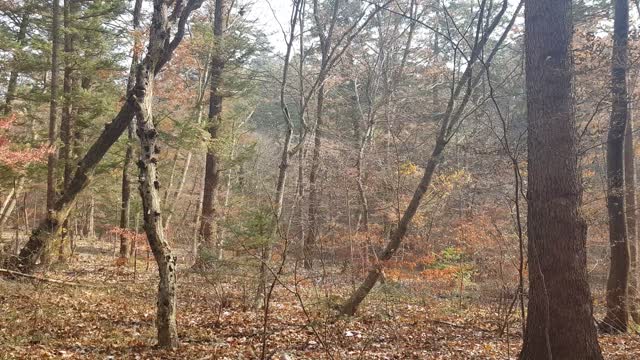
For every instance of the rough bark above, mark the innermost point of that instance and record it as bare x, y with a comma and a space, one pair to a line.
50, 227
617, 284
212, 163
149, 192
125, 204
149, 183
559, 321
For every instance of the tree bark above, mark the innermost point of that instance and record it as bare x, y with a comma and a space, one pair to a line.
50, 227
52, 159
212, 172
125, 205
615, 320
630, 212
149, 192
560, 322
67, 124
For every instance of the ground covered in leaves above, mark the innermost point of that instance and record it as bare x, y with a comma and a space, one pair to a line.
111, 316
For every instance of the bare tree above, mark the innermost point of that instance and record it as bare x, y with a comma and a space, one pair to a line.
450, 123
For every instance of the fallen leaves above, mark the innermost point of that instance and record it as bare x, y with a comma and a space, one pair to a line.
116, 321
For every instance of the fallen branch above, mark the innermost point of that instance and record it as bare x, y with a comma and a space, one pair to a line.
43, 279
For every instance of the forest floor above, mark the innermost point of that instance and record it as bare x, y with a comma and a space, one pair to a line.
111, 316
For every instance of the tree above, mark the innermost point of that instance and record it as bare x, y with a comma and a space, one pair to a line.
448, 125
53, 107
617, 284
212, 171
125, 211
559, 321
150, 183
333, 44
50, 227
631, 213
23, 25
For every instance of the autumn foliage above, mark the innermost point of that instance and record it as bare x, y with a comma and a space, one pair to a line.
16, 156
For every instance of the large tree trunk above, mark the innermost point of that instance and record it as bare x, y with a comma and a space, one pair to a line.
617, 284
560, 315
50, 227
212, 172
125, 204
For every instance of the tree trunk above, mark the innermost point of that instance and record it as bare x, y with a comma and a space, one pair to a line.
560, 315
159, 53
125, 205
314, 196
630, 212
615, 320
149, 192
350, 307
52, 157
53, 108
212, 172
67, 124
265, 251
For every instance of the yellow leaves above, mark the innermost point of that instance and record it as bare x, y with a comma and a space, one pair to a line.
407, 168
444, 184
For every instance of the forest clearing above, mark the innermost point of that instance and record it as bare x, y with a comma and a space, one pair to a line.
319, 179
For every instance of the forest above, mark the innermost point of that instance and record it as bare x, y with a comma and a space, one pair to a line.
319, 179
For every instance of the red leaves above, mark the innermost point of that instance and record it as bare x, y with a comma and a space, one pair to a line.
13, 157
